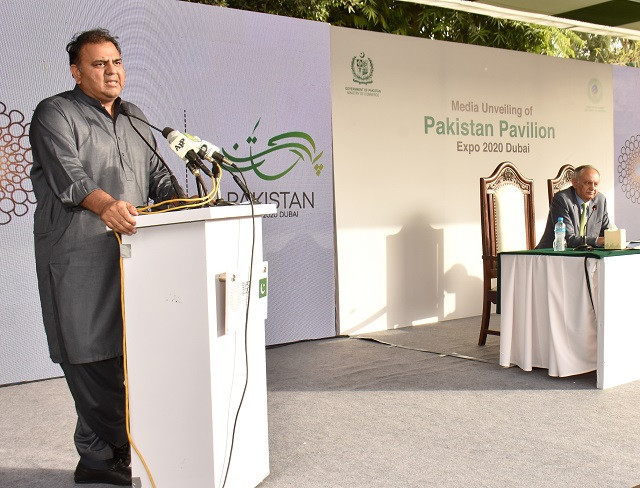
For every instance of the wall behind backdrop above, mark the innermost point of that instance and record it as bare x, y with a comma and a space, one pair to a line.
409, 124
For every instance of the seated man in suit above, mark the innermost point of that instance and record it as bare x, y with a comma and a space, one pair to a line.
583, 209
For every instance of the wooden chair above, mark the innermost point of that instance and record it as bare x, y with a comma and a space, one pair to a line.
561, 181
507, 223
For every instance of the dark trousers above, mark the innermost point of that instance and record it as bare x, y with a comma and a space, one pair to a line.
98, 391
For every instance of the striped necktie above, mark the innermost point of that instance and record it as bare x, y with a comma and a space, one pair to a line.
583, 218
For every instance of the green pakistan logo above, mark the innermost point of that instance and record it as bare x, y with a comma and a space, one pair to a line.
263, 288
362, 69
281, 154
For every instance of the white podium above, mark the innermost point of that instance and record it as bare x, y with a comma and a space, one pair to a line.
186, 283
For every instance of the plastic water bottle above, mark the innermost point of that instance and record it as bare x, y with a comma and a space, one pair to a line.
560, 230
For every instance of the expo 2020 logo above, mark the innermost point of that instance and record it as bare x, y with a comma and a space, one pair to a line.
629, 169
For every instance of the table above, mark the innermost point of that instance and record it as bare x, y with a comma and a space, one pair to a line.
553, 317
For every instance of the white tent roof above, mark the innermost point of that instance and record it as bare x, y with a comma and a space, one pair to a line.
620, 18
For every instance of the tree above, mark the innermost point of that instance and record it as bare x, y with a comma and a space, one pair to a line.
610, 50
404, 18
301, 9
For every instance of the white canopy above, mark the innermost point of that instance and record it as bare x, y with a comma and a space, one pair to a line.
620, 18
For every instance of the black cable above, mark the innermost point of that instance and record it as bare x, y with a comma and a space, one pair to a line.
200, 185
242, 184
124, 110
174, 181
252, 198
586, 274
246, 344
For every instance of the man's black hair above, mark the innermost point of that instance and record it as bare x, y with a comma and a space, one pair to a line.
94, 36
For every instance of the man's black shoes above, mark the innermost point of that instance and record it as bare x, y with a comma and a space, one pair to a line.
116, 474
123, 453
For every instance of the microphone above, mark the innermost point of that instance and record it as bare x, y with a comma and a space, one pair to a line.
187, 149
593, 209
188, 146
586, 224
212, 153
209, 151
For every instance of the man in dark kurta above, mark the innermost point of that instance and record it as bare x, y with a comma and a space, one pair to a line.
90, 171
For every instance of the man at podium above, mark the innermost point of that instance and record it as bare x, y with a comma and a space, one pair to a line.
90, 171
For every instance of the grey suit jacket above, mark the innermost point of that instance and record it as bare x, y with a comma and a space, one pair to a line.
565, 205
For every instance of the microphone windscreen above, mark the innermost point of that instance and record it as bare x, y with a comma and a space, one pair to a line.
166, 131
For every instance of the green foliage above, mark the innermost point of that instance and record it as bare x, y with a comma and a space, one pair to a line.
410, 19
452, 25
611, 50
302, 9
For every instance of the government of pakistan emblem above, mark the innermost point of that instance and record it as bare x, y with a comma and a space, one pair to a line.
362, 69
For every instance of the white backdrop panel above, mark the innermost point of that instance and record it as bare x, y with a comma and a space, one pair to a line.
407, 167
627, 149
227, 76
259, 87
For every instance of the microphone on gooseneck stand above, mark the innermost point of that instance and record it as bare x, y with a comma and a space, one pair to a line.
586, 224
181, 145
593, 210
124, 110
191, 149
212, 153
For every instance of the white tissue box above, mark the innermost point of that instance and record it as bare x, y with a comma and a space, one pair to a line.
615, 239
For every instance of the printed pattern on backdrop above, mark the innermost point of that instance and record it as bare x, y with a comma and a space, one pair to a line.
16, 192
627, 149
